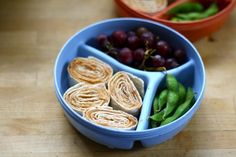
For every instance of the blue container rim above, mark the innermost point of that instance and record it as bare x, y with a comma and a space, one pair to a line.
124, 133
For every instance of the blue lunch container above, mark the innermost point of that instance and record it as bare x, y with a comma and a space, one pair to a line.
82, 44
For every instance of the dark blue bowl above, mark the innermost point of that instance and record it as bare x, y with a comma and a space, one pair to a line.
191, 73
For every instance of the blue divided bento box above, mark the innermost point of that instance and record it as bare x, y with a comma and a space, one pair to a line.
191, 73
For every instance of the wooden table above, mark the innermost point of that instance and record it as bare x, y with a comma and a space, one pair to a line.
31, 120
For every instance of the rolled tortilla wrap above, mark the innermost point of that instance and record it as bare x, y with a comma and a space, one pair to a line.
83, 96
124, 94
107, 117
90, 70
138, 82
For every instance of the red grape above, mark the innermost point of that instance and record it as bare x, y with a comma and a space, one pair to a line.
138, 55
180, 55
133, 42
141, 30
157, 61
125, 56
101, 39
104, 42
171, 63
163, 48
147, 39
118, 38
131, 33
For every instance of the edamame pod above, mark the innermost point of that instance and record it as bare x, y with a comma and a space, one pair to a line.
162, 99
186, 7
182, 108
212, 10
191, 16
153, 124
168, 120
172, 83
182, 93
158, 117
155, 105
174, 19
172, 102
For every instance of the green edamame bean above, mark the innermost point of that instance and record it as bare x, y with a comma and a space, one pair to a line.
158, 117
155, 105
172, 100
213, 9
176, 19
182, 93
187, 7
189, 94
162, 99
182, 108
153, 124
172, 83
191, 16
168, 120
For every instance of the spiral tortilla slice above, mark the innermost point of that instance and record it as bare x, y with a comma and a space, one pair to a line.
138, 82
147, 6
90, 70
124, 94
83, 96
107, 117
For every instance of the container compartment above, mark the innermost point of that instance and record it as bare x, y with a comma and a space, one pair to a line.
184, 75
84, 50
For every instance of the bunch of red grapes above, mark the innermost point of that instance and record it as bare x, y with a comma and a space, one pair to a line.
141, 49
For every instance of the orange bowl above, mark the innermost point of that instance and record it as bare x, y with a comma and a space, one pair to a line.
193, 30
